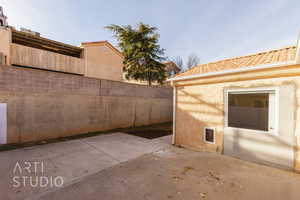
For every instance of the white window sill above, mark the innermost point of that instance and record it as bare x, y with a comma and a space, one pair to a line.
251, 131
207, 142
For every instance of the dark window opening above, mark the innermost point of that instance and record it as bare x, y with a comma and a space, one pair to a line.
210, 135
251, 110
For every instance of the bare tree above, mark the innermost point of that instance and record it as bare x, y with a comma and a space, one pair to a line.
192, 61
179, 62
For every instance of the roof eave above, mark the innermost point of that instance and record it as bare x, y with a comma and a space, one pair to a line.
103, 42
232, 71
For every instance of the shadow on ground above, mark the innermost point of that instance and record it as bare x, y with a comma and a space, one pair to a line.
151, 132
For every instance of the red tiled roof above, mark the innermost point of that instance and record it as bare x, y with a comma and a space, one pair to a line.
268, 57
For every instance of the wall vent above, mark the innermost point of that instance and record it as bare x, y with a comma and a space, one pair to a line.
209, 135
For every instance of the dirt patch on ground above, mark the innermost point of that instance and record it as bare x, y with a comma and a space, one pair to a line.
149, 132
152, 132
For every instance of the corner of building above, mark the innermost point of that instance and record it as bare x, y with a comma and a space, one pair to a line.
5, 41
297, 155
102, 61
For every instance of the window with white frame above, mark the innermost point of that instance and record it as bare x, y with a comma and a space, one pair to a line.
254, 110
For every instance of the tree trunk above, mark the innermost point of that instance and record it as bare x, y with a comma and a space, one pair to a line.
149, 82
149, 79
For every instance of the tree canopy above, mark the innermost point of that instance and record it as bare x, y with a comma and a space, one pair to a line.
143, 55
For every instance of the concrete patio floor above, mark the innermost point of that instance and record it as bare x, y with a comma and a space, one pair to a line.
72, 160
176, 173
120, 166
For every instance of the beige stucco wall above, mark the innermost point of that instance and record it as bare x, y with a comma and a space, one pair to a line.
5, 40
103, 62
200, 103
43, 105
2, 59
98, 60
37, 58
43, 116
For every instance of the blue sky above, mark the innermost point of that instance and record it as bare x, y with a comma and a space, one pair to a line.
213, 30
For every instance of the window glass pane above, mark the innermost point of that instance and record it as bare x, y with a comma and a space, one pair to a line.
251, 110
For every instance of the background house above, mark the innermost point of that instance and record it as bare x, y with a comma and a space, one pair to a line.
103, 60
247, 107
26, 48
97, 60
171, 68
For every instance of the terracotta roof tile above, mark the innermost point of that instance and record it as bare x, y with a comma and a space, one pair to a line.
268, 57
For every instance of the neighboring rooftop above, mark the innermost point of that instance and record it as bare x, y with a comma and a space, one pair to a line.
34, 40
267, 57
103, 42
171, 66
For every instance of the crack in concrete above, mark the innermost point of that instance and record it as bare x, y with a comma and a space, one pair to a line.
99, 151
